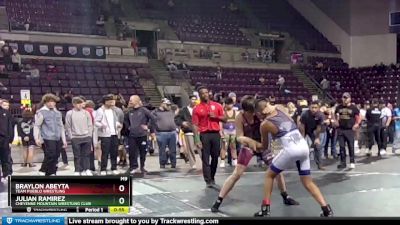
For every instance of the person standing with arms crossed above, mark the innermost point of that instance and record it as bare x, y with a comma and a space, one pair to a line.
206, 126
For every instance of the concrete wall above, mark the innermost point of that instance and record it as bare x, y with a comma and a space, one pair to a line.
337, 10
325, 25
369, 17
372, 49
368, 42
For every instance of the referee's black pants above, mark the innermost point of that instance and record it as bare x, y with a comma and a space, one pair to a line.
211, 142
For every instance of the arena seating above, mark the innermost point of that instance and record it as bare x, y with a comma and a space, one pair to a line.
90, 79
199, 21
245, 81
72, 16
363, 83
327, 62
279, 15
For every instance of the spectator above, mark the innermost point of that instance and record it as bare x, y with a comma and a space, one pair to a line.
89, 107
25, 131
319, 65
246, 55
273, 56
233, 7
134, 45
34, 72
171, 66
348, 121
171, 3
2, 87
79, 127
136, 127
236, 104
325, 86
68, 96
260, 55
166, 133
396, 118
219, 73
182, 66
7, 53
312, 125
184, 120
49, 132
16, 60
100, 21
337, 85
386, 118
27, 24
6, 138
106, 121
262, 80
281, 82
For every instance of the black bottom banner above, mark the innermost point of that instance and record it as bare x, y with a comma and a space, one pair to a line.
214, 221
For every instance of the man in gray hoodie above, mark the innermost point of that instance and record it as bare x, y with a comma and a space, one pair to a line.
49, 131
79, 127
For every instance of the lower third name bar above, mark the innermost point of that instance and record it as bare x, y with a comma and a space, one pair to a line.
60, 209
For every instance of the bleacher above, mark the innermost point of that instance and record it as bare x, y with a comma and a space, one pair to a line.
91, 79
245, 81
60, 16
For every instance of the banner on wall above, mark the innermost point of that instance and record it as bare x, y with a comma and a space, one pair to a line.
58, 50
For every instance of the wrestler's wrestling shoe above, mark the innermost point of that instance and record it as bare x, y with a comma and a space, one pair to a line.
265, 211
290, 201
326, 211
215, 207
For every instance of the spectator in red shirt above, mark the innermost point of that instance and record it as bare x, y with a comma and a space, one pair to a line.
206, 126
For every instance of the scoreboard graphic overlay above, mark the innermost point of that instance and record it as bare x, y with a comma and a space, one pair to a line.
111, 194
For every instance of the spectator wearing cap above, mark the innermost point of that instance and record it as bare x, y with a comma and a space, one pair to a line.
106, 121
136, 127
206, 120
386, 118
49, 131
166, 132
79, 127
348, 121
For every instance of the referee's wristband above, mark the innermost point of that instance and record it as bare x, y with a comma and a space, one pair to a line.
197, 139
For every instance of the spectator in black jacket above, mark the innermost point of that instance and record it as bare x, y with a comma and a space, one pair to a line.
6, 138
136, 127
184, 120
25, 131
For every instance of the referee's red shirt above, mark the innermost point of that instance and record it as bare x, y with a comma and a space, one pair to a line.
201, 117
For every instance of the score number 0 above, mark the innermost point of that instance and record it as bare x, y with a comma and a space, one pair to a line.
121, 188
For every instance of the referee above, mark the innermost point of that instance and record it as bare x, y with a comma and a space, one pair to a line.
206, 120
